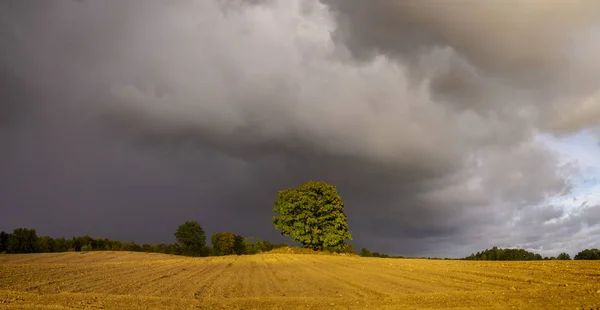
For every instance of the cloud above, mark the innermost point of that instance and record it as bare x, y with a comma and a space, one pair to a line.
425, 123
542, 52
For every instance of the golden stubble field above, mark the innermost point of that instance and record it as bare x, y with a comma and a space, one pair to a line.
124, 280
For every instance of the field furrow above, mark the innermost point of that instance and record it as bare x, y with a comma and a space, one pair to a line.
125, 280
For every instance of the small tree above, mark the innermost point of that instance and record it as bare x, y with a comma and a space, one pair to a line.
563, 256
365, 253
223, 243
191, 238
312, 214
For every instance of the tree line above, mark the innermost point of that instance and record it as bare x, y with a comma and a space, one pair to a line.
519, 254
311, 214
190, 242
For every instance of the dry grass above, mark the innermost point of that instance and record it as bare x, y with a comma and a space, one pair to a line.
122, 280
298, 250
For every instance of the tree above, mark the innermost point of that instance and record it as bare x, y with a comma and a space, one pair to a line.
223, 243
588, 254
191, 238
22, 240
563, 256
45, 244
239, 245
61, 245
312, 214
347, 248
253, 245
130, 246
365, 253
4, 241
174, 249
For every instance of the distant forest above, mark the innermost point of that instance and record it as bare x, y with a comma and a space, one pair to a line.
520, 254
191, 241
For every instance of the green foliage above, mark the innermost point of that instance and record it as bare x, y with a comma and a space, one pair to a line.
365, 253
4, 241
381, 255
256, 245
312, 214
45, 244
239, 246
146, 248
223, 243
174, 249
504, 254
191, 238
159, 248
207, 251
131, 246
116, 245
346, 248
563, 256
61, 245
22, 240
588, 254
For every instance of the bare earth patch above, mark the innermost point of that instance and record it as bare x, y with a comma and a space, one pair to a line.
124, 280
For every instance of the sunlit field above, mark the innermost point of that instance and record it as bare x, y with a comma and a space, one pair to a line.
127, 280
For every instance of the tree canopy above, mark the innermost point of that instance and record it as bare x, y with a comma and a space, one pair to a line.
22, 240
191, 238
588, 254
312, 214
223, 243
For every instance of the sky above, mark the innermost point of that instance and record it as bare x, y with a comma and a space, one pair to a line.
447, 127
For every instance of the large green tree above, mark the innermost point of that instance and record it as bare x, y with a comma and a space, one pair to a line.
312, 214
191, 238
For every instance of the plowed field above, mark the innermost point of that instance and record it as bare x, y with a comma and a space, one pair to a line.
122, 280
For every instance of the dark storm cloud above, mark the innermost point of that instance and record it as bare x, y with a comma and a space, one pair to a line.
13, 101
152, 113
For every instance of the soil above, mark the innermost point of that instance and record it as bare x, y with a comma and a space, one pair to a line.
126, 280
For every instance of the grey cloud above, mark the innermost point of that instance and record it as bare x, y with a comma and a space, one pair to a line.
542, 51
164, 111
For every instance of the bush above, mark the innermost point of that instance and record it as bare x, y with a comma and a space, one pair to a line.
346, 249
